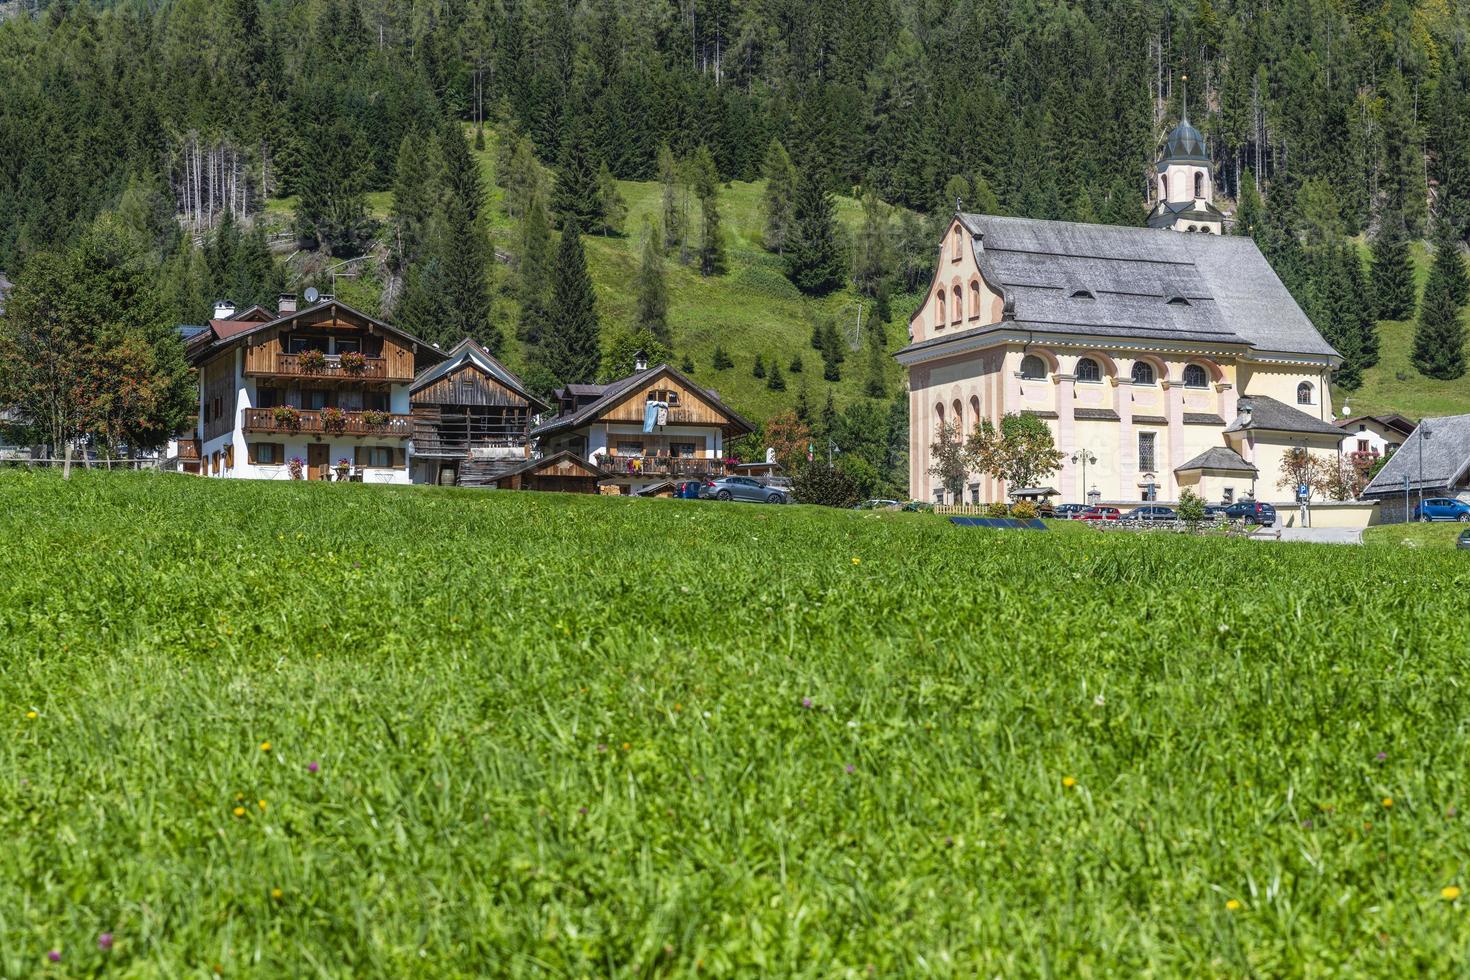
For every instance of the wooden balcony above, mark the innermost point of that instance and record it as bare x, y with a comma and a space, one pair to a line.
330, 368
310, 421
663, 466
188, 449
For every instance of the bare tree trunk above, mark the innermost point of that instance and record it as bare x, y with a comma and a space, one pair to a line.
66, 462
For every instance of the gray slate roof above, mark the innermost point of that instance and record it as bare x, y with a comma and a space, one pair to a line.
1446, 455
468, 351
1224, 290
1218, 458
1268, 413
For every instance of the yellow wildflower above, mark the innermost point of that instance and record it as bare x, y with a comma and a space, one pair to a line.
261, 804
265, 746
1233, 905
239, 811
857, 561
627, 746
1449, 893
1388, 801
1069, 782
32, 715
276, 893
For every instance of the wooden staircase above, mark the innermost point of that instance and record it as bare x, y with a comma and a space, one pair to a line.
482, 472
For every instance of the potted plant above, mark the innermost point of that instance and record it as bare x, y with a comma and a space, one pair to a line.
296, 466
353, 362
333, 419
343, 466
313, 360
286, 418
373, 417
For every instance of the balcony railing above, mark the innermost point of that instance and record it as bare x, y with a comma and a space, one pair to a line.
329, 367
310, 420
689, 466
188, 449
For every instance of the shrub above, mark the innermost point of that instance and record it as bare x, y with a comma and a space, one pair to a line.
286, 418
1191, 507
1023, 510
817, 483
997, 509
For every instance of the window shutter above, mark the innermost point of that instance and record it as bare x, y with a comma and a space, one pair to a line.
400, 459
358, 454
230, 456
252, 453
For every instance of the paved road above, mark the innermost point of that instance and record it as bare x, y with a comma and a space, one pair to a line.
1317, 535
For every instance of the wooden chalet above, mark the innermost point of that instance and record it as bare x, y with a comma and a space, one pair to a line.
654, 426
471, 419
563, 472
328, 385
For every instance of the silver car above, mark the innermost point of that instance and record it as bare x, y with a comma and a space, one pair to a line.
745, 488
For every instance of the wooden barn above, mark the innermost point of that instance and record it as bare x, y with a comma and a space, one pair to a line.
563, 472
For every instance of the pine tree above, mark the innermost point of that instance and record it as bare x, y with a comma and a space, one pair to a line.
705, 181
871, 259
577, 195
774, 380
652, 312
883, 309
721, 361
796, 365
1393, 272
687, 364
1439, 334
467, 248
803, 403
876, 383
815, 261
572, 351
1360, 307
758, 369
827, 424
613, 209
1449, 262
779, 198
534, 274
413, 201
675, 219
1251, 213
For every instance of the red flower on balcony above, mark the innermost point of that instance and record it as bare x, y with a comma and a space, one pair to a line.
312, 360
353, 362
286, 418
333, 420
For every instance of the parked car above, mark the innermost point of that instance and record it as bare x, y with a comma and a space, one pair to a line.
744, 488
1100, 514
1213, 511
1252, 510
877, 504
689, 489
1442, 509
1070, 512
1151, 512
1463, 541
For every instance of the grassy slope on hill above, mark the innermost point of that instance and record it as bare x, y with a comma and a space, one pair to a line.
751, 309
537, 757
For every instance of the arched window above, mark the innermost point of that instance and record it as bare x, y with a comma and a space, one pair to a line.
939, 413
1033, 368
1143, 373
1195, 377
1304, 393
974, 301
959, 305
1164, 188
959, 417
1193, 228
939, 317
957, 239
974, 410
1087, 370
1199, 185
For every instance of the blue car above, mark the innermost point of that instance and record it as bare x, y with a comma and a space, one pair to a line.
1442, 509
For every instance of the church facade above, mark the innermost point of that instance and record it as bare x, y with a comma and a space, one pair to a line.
1160, 361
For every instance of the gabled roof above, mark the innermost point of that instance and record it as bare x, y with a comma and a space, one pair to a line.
1218, 458
618, 390
1444, 445
224, 333
1396, 422
469, 351
1270, 414
1233, 295
535, 465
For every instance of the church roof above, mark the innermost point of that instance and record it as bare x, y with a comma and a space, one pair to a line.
1185, 144
1277, 416
1146, 284
1218, 458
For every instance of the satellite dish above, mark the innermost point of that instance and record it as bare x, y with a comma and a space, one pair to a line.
312, 294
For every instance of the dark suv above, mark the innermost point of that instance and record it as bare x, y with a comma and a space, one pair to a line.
1253, 511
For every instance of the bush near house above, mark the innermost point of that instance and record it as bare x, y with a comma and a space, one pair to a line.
427, 732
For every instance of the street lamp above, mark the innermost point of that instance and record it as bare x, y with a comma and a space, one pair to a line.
1423, 438
1084, 456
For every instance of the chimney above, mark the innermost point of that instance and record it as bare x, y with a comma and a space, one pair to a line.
286, 304
640, 361
223, 309
327, 298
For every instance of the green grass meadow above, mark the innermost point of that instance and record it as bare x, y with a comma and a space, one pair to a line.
310, 730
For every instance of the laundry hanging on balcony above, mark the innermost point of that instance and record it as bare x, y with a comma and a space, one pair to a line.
655, 414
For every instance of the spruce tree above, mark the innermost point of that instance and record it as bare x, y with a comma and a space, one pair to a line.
467, 249
758, 369
652, 312
871, 259
687, 364
675, 219
778, 201
796, 365
803, 403
706, 183
1393, 272
534, 273
1251, 213
720, 360
413, 201
1449, 262
611, 206
876, 383
1360, 306
815, 262
774, 379
572, 351
577, 195
1439, 334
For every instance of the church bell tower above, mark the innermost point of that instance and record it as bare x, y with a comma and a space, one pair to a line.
1184, 182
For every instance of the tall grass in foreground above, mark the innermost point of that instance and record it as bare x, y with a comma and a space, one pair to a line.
295, 730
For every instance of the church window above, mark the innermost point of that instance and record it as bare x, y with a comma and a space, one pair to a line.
1033, 368
959, 305
1304, 393
1146, 451
974, 410
1193, 228
1164, 188
957, 239
1194, 376
1087, 370
974, 301
1199, 185
939, 319
1143, 374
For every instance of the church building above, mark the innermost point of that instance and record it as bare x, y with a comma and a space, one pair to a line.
1160, 360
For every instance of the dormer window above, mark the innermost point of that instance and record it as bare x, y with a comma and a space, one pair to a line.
1082, 293
1174, 296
